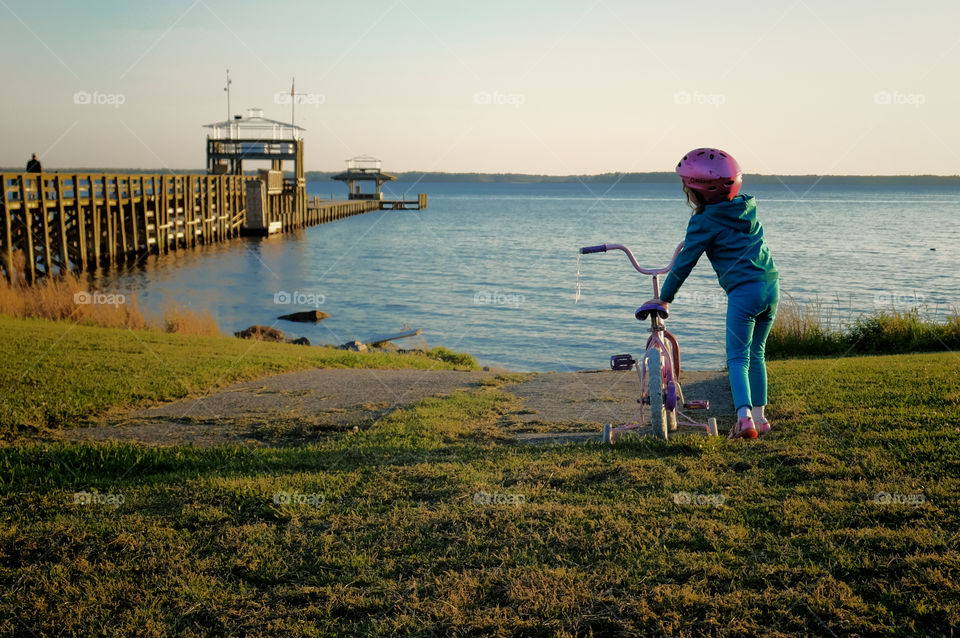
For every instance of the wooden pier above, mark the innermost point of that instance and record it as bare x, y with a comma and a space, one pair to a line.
82, 221
405, 204
65, 222
73, 222
321, 211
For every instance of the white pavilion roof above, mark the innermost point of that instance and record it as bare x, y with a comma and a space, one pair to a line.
254, 126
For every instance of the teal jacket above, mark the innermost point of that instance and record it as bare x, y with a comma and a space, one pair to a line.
732, 238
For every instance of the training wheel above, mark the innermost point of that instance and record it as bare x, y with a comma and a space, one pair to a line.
712, 426
607, 434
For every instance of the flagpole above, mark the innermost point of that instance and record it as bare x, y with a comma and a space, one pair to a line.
227, 89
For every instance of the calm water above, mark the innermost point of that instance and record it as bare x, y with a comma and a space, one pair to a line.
490, 269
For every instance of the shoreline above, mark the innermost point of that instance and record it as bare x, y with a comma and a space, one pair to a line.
126, 385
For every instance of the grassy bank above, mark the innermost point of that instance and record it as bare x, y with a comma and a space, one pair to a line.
58, 374
803, 330
844, 521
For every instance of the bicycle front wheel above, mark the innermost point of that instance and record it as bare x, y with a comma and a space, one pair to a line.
658, 414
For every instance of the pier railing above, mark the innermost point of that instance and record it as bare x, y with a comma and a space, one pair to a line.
63, 222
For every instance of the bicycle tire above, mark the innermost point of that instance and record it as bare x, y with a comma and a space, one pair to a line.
658, 415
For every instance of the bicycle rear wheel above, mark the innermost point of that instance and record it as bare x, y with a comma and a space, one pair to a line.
658, 414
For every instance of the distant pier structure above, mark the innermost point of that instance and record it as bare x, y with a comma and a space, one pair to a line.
274, 203
364, 178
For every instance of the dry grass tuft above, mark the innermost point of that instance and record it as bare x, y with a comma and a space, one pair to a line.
185, 321
810, 330
67, 298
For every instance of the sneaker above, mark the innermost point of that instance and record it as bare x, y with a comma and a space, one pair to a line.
762, 427
744, 429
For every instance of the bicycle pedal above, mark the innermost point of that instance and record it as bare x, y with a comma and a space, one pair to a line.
697, 405
622, 362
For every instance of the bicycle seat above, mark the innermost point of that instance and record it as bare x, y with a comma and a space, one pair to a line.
644, 311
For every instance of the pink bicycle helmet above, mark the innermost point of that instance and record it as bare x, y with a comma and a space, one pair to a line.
711, 172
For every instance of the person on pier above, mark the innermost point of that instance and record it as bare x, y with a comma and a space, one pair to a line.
33, 165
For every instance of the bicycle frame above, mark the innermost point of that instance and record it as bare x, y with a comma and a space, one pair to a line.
663, 343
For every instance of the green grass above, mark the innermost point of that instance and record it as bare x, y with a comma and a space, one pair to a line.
800, 331
58, 374
388, 537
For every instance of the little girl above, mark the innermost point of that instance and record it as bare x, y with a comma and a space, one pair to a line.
724, 225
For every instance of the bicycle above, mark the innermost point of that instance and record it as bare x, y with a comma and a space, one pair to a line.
659, 368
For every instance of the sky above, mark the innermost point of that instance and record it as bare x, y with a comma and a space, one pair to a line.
592, 86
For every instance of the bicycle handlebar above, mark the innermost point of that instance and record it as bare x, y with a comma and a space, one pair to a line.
586, 250
602, 248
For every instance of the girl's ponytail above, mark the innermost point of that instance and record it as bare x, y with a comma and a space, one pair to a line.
694, 200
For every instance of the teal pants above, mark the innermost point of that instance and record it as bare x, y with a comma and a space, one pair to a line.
751, 309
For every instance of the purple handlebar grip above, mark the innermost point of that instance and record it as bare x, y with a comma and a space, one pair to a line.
586, 250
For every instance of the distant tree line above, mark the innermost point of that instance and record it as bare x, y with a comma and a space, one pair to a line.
650, 178
602, 178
